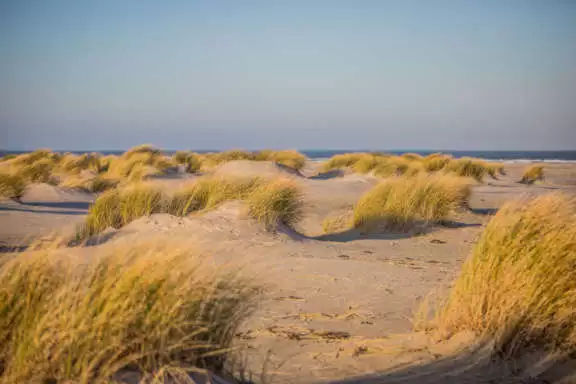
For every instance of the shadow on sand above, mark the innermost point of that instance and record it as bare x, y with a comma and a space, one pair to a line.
476, 365
327, 175
53, 212
79, 205
354, 234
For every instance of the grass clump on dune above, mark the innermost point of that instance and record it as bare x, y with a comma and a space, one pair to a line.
342, 161
37, 172
276, 202
269, 201
191, 161
152, 308
118, 207
400, 203
12, 186
290, 158
435, 162
533, 174
468, 167
519, 285
208, 192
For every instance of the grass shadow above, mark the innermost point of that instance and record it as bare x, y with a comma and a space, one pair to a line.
476, 365
327, 175
84, 205
53, 212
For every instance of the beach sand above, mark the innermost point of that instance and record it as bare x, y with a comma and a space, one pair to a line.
337, 307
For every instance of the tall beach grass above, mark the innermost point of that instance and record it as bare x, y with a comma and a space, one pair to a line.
532, 174
399, 204
150, 308
519, 285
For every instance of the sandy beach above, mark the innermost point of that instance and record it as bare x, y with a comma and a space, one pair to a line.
336, 307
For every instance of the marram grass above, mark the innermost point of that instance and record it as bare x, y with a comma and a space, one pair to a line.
12, 186
399, 204
271, 202
118, 207
276, 202
146, 308
533, 174
209, 192
519, 285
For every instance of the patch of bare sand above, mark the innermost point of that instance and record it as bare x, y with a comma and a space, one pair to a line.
249, 168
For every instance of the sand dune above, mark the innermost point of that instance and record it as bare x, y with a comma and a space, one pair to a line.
336, 308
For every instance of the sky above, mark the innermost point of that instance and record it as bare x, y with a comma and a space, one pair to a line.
310, 74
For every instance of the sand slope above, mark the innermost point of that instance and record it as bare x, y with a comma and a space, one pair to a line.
335, 308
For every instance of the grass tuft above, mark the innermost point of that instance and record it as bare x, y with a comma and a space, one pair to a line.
144, 308
519, 285
276, 202
468, 167
116, 208
400, 203
209, 192
192, 162
12, 186
533, 174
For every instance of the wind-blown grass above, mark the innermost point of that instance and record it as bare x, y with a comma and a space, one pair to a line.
468, 167
12, 186
37, 172
290, 158
192, 162
269, 201
209, 192
276, 202
398, 204
519, 285
116, 208
533, 174
150, 307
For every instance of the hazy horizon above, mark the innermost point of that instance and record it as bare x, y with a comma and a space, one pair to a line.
443, 75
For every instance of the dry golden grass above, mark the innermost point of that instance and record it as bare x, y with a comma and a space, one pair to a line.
398, 204
337, 222
396, 166
368, 162
412, 156
276, 202
533, 174
32, 157
118, 207
137, 165
149, 307
519, 285
468, 167
209, 192
191, 161
269, 201
12, 186
39, 171
435, 162
290, 158
342, 161
143, 148
74, 164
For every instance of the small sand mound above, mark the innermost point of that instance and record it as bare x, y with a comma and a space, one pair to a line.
50, 193
249, 168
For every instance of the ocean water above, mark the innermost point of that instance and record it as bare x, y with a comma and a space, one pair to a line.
321, 154
544, 156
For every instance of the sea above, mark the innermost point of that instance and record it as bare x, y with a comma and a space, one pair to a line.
323, 154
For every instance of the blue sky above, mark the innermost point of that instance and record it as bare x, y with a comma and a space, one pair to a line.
108, 74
